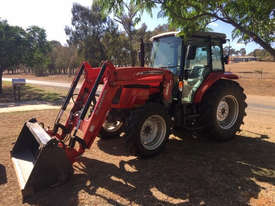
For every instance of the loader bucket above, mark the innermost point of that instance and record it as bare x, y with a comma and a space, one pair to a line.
38, 161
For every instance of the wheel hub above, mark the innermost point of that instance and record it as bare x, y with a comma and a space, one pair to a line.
227, 112
222, 111
112, 126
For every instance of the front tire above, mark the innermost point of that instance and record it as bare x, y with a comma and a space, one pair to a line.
148, 129
223, 110
112, 127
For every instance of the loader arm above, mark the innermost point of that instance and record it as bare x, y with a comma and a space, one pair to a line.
137, 83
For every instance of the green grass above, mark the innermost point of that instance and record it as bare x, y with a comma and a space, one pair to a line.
32, 93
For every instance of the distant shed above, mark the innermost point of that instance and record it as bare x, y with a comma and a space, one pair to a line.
235, 59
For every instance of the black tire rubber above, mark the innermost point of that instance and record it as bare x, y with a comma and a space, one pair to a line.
134, 124
209, 110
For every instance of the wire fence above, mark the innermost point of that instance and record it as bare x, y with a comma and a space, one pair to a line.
258, 74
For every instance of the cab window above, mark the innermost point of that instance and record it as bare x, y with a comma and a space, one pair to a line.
217, 58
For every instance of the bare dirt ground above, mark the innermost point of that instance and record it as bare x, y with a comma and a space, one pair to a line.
252, 66
257, 78
189, 172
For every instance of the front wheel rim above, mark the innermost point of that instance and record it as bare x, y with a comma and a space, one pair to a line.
112, 126
227, 112
153, 132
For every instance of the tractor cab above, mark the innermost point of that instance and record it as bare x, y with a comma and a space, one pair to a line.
190, 61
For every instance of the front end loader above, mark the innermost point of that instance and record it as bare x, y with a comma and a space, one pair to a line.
43, 158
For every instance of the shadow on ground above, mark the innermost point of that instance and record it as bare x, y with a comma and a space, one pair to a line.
29, 93
190, 172
3, 175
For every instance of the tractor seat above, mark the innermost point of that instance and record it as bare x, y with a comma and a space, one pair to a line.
198, 71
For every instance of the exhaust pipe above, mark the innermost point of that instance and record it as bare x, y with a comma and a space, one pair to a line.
38, 161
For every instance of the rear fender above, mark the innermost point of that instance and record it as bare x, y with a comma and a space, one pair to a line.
209, 81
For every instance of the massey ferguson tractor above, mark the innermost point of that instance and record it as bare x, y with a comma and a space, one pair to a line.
184, 87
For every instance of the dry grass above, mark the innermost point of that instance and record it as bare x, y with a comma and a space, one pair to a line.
257, 78
264, 87
33, 93
190, 171
266, 67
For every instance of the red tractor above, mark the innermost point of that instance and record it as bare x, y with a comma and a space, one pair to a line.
184, 87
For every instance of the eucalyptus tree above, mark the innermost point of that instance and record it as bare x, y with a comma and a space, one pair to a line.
253, 20
38, 50
13, 47
87, 31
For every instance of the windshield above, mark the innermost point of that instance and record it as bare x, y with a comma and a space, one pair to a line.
166, 53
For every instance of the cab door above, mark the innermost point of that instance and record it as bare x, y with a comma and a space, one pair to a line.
197, 68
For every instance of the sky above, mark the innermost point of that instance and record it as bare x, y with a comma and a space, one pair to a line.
54, 15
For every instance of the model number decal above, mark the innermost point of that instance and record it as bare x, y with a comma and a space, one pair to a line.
149, 72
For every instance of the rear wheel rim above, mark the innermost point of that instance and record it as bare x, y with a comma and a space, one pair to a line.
153, 132
227, 112
112, 126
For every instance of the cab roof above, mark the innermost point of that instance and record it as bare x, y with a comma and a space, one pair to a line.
196, 34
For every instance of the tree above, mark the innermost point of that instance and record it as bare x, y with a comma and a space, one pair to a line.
261, 54
87, 31
242, 51
253, 20
129, 16
117, 47
63, 58
38, 50
228, 50
13, 46
96, 36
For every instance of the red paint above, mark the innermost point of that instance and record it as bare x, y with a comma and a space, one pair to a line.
143, 82
210, 80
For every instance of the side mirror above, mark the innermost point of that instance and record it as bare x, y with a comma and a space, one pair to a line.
226, 59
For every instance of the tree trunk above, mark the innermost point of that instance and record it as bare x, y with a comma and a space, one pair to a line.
266, 46
262, 43
255, 37
1, 74
133, 57
132, 51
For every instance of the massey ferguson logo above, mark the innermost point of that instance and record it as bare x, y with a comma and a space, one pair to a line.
149, 72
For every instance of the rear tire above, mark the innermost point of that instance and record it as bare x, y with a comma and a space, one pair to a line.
223, 110
147, 130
